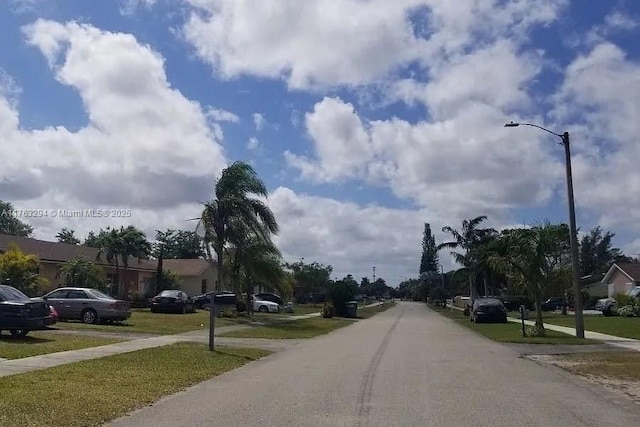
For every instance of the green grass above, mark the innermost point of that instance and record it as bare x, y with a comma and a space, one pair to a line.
300, 309
291, 329
610, 365
37, 343
92, 392
627, 327
510, 332
143, 321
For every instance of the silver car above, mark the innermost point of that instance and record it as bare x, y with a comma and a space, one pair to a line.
87, 304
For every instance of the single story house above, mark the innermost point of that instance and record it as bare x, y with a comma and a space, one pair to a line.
621, 277
197, 276
593, 285
194, 274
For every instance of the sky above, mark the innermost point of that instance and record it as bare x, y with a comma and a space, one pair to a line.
365, 118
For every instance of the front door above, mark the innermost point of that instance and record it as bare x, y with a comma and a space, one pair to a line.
76, 302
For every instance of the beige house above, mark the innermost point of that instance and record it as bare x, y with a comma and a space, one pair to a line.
194, 274
197, 276
621, 277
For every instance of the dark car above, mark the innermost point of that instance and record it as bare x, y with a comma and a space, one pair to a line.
19, 314
222, 300
552, 304
488, 310
268, 296
173, 301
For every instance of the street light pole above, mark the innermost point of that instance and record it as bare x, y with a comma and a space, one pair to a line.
575, 266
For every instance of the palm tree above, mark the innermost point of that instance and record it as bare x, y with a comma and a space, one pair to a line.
533, 258
467, 242
110, 245
236, 210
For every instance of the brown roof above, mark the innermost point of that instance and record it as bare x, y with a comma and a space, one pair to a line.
632, 269
186, 267
62, 252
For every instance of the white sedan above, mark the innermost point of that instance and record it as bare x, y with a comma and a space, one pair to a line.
265, 306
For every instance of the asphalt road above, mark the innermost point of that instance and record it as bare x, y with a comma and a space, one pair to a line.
405, 367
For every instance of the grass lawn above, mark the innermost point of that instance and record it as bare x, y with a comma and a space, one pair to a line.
92, 392
143, 321
365, 313
510, 332
628, 327
610, 365
300, 309
291, 329
37, 343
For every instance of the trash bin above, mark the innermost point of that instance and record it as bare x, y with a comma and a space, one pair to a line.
352, 309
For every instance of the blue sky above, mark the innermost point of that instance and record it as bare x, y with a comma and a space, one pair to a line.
376, 116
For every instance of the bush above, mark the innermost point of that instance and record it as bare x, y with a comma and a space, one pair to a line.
241, 306
138, 300
328, 311
534, 331
227, 313
341, 292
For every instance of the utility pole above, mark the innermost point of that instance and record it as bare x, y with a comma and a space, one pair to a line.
374, 274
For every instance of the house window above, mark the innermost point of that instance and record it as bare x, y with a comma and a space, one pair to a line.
204, 286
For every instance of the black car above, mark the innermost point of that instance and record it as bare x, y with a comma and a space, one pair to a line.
172, 301
268, 296
552, 304
225, 300
19, 314
488, 310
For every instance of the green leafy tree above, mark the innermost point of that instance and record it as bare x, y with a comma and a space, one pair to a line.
467, 241
597, 252
10, 223
167, 279
178, 244
365, 286
311, 279
237, 206
20, 270
92, 240
534, 258
82, 272
67, 235
341, 292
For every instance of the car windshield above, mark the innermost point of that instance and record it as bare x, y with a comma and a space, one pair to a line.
8, 293
169, 293
96, 293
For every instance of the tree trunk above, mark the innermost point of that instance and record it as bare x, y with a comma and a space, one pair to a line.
472, 286
159, 271
484, 281
119, 278
538, 301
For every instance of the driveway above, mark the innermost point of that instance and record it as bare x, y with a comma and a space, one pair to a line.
407, 366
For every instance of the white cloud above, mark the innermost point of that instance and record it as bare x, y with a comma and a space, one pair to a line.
314, 44
129, 7
253, 144
600, 102
145, 147
220, 115
259, 121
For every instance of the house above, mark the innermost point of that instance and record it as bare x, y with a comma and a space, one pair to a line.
53, 255
593, 285
621, 277
197, 276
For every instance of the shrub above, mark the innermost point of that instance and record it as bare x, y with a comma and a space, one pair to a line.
228, 313
241, 306
138, 300
341, 292
534, 331
328, 311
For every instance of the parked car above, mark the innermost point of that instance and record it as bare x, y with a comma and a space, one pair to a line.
53, 313
487, 310
608, 305
268, 296
224, 300
552, 304
265, 306
173, 301
88, 305
19, 314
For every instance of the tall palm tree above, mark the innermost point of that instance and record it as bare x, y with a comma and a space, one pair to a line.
467, 242
110, 246
237, 209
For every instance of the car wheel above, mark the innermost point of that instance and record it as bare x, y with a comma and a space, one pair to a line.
89, 316
263, 309
17, 333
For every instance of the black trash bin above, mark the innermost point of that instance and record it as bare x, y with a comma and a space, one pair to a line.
352, 309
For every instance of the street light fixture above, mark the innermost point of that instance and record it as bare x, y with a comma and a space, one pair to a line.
575, 266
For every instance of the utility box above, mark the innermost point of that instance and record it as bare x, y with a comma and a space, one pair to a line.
352, 309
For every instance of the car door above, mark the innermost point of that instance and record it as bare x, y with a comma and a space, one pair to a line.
58, 299
77, 300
